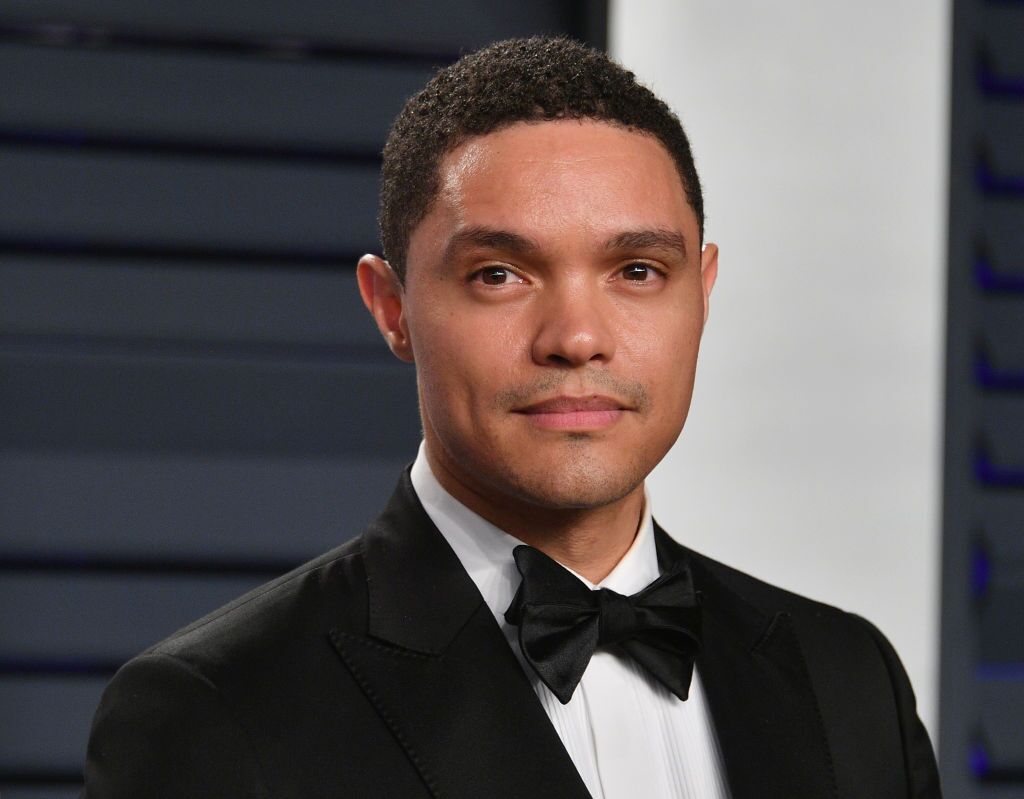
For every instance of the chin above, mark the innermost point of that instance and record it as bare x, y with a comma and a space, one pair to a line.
582, 480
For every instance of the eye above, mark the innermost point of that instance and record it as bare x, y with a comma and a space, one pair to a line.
639, 272
496, 276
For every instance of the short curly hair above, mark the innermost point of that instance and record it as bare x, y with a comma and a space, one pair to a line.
516, 80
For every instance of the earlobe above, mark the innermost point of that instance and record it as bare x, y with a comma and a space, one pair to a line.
708, 274
384, 298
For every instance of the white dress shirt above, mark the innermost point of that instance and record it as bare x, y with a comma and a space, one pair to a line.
627, 734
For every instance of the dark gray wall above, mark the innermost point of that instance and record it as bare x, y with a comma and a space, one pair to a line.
192, 399
982, 682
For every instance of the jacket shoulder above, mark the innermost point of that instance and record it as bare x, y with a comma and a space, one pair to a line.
296, 608
836, 643
810, 616
862, 688
250, 701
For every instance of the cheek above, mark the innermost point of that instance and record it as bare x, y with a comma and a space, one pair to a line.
663, 352
462, 360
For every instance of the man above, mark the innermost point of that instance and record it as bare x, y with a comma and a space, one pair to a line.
543, 225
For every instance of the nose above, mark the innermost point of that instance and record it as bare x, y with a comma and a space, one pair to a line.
575, 328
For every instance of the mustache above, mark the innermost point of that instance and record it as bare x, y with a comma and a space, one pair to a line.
595, 381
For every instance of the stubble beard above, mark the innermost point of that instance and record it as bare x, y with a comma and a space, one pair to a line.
574, 477
567, 471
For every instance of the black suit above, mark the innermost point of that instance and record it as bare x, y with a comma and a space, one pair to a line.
377, 670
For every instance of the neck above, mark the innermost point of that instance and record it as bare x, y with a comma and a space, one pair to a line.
590, 541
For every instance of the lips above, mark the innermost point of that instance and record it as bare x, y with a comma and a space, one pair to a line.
574, 405
574, 413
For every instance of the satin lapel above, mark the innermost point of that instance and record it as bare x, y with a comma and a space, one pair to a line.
764, 708
440, 673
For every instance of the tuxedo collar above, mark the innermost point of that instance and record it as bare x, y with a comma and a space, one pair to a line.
435, 665
419, 594
442, 677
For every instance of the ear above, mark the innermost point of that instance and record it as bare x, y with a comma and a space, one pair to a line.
384, 298
708, 273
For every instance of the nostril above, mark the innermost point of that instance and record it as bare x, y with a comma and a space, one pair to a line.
569, 341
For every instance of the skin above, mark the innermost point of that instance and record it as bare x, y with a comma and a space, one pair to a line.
560, 260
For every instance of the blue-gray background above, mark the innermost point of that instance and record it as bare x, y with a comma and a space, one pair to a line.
192, 398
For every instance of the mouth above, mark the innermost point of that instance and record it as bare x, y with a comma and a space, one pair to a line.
594, 412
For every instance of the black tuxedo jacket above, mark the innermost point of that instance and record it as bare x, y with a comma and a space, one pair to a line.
377, 670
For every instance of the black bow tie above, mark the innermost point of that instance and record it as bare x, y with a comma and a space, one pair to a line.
561, 622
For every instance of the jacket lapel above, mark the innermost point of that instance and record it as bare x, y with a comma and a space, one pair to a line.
764, 708
437, 668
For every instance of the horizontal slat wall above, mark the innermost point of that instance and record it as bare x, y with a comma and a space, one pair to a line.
394, 27
63, 505
192, 397
982, 737
144, 96
70, 194
42, 791
102, 616
262, 310
189, 404
50, 720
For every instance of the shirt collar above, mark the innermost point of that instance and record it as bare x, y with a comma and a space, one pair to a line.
485, 551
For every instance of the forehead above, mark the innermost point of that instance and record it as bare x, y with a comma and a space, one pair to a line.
563, 173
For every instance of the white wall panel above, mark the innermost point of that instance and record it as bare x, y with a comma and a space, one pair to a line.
812, 454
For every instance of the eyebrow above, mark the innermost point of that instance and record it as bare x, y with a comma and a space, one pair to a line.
497, 239
658, 239
489, 238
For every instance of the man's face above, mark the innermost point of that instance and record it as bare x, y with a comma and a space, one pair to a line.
554, 302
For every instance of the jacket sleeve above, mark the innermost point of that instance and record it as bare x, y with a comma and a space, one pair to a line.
918, 755
162, 730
